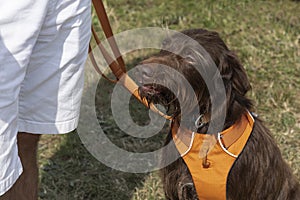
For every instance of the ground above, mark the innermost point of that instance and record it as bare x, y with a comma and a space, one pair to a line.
265, 36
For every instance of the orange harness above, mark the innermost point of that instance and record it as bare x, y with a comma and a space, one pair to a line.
210, 181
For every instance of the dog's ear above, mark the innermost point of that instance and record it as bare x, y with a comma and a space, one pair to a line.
233, 73
237, 85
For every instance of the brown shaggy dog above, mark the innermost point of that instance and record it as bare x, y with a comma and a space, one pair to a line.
260, 171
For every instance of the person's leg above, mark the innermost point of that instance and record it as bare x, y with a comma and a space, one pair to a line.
20, 23
43, 47
26, 186
51, 91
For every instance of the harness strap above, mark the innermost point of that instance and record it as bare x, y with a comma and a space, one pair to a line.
210, 177
227, 137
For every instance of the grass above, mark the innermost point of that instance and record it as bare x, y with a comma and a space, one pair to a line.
266, 37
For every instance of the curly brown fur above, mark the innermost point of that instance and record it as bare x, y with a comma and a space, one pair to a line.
260, 171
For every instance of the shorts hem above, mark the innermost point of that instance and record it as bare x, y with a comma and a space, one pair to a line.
47, 128
7, 184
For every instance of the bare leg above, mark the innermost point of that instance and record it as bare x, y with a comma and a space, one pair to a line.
26, 187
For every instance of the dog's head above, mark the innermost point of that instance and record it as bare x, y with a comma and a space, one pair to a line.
172, 77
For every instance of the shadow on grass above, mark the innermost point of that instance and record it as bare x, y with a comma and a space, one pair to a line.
73, 173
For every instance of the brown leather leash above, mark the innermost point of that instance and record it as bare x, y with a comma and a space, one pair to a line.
117, 66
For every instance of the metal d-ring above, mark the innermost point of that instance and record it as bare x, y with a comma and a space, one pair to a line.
199, 121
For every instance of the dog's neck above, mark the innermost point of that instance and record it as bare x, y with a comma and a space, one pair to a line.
189, 122
195, 123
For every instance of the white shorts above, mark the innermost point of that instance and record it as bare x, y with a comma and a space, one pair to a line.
43, 48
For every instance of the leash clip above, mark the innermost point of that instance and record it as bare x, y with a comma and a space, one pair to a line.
199, 122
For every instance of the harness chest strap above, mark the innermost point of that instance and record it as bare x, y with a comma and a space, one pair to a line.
211, 182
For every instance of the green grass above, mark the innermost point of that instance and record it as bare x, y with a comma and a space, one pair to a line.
266, 37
